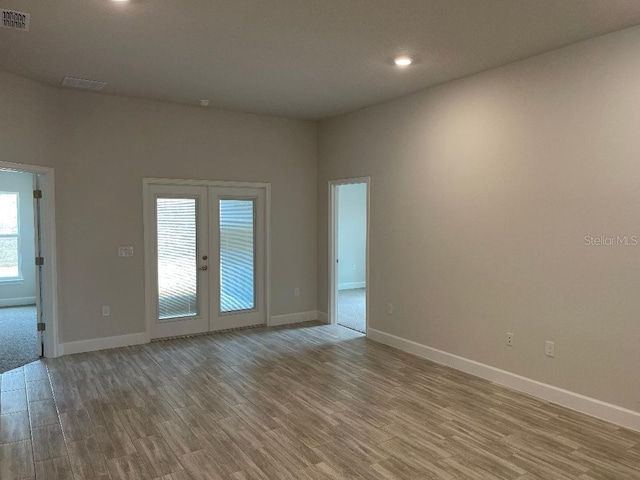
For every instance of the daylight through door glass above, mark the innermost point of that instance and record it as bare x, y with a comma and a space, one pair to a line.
9, 235
177, 257
237, 255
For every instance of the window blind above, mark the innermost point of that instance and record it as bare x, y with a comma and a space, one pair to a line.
237, 255
177, 257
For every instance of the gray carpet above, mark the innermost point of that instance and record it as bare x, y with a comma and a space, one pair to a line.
352, 309
18, 337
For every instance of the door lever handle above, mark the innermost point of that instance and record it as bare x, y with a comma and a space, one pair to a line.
204, 267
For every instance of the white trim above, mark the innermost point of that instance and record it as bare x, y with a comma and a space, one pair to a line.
293, 318
267, 253
17, 302
351, 285
203, 183
103, 343
323, 317
575, 401
23, 167
141, 338
49, 250
332, 307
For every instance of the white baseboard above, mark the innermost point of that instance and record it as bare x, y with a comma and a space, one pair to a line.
293, 318
323, 317
575, 401
102, 343
17, 302
352, 285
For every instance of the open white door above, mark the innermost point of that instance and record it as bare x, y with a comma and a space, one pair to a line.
39, 261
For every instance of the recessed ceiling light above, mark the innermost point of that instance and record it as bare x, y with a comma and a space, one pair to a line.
120, 1
403, 61
204, 103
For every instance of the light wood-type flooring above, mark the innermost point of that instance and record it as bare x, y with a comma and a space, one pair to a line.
306, 402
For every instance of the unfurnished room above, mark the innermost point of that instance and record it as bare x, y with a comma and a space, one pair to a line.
337, 239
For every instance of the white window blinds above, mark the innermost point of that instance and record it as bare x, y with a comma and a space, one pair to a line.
237, 255
177, 257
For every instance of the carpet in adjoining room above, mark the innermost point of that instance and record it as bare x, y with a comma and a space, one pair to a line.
18, 337
352, 309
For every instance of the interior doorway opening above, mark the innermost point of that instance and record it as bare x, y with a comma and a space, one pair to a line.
349, 253
27, 282
19, 339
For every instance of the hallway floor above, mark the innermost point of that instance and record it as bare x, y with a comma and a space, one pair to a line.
352, 308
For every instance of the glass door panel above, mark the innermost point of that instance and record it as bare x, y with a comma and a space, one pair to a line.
180, 260
177, 258
238, 233
237, 255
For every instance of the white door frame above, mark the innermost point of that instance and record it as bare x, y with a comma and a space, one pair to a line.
49, 304
150, 295
332, 309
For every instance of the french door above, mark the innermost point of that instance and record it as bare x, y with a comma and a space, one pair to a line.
207, 256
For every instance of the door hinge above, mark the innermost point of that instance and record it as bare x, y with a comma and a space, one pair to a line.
42, 327
37, 194
39, 261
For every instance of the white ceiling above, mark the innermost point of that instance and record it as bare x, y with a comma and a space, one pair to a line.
299, 58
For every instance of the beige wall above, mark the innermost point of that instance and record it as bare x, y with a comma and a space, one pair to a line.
482, 191
29, 125
108, 144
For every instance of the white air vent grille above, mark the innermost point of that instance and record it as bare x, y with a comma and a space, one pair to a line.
15, 20
83, 83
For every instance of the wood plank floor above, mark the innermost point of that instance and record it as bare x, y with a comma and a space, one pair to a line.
305, 402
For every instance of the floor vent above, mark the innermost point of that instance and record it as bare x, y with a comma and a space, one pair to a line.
15, 20
83, 83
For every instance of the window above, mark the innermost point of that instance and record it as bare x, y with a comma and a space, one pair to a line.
9, 237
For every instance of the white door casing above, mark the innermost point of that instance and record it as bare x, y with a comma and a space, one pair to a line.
332, 307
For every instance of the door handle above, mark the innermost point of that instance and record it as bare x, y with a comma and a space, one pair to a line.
203, 268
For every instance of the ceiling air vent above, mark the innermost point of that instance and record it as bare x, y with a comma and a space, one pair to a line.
15, 20
83, 83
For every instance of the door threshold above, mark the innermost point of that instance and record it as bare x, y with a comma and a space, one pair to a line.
226, 330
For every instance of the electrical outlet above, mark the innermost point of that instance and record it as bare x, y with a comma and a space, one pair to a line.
510, 339
106, 310
550, 349
125, 251
296, 292
389, 308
